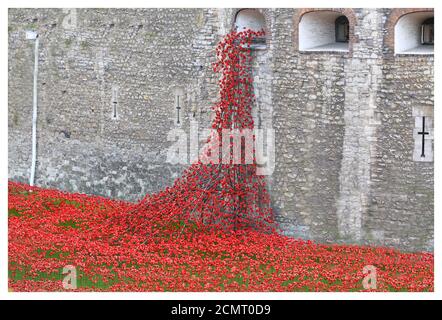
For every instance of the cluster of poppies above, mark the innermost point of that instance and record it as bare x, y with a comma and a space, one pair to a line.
49, 230
213, 230
214, 193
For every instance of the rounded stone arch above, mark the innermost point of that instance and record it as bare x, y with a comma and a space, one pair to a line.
347, 12
390, 25
267, 21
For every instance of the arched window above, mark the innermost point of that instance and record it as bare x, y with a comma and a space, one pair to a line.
251, 19
414, 33
427, 32
342, 29
324, 30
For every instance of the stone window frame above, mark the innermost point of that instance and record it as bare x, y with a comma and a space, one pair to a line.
347, 12
267, 19
418, 112
390, 24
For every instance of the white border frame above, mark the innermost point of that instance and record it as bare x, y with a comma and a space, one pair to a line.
4, 294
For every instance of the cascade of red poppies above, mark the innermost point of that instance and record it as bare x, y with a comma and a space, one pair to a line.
213, 192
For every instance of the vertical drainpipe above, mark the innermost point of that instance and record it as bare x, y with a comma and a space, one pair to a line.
32, 35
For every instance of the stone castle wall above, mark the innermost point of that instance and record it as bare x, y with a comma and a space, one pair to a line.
344, 122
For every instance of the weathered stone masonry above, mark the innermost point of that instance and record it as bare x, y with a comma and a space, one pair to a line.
347, 123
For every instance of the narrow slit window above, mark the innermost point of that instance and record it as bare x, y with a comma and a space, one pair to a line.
114, 109
178, 108
179, 105
114, 103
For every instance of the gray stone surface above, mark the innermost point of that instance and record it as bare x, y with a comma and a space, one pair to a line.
344, 122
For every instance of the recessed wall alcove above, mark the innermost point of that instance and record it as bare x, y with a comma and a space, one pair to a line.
414, 33
251, 19
324, 31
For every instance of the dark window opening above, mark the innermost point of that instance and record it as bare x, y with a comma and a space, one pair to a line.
342, 29
258, 42
427, 32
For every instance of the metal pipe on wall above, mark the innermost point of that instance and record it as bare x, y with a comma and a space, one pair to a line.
34, 36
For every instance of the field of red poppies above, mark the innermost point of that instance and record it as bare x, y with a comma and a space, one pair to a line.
49, 230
